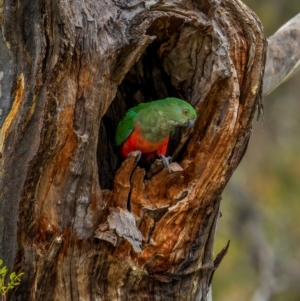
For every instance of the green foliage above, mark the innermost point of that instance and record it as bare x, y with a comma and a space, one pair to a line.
14, 280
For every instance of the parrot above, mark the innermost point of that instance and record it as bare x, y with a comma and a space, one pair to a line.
147, 127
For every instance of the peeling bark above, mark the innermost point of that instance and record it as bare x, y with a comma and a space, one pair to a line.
70, 71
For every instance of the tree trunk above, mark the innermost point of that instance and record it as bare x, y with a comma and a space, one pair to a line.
81, 225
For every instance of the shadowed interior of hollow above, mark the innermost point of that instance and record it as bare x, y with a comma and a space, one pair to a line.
145, 81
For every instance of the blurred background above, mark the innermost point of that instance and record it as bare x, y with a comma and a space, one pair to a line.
261, 204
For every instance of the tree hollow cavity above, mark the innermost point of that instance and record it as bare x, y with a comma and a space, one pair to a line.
169, 67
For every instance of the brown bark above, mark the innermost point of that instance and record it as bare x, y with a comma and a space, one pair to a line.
78, 226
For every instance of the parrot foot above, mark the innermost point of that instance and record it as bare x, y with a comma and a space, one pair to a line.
166, 161
139, 155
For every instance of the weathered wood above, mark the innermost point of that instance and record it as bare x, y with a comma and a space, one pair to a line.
70, 71
283, 55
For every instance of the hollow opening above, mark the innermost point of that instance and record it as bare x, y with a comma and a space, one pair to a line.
149, 79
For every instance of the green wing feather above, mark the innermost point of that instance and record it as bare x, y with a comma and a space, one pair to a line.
126, 125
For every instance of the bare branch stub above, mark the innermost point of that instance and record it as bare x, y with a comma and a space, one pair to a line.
283, 55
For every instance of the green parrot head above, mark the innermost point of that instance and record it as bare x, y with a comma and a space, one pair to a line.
177, 112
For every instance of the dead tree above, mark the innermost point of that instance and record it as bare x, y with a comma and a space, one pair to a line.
80, 225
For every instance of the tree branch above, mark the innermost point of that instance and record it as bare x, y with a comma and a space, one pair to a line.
283, 55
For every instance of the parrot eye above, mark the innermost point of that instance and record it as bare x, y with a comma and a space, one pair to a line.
185, 111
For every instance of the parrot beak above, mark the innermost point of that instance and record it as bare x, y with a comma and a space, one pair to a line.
190, 123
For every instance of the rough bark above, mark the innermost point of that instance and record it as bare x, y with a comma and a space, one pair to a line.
80, 225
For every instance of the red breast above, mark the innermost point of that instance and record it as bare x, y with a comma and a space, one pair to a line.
136, 142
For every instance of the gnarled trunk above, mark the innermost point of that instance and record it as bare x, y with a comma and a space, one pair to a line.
80, 225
